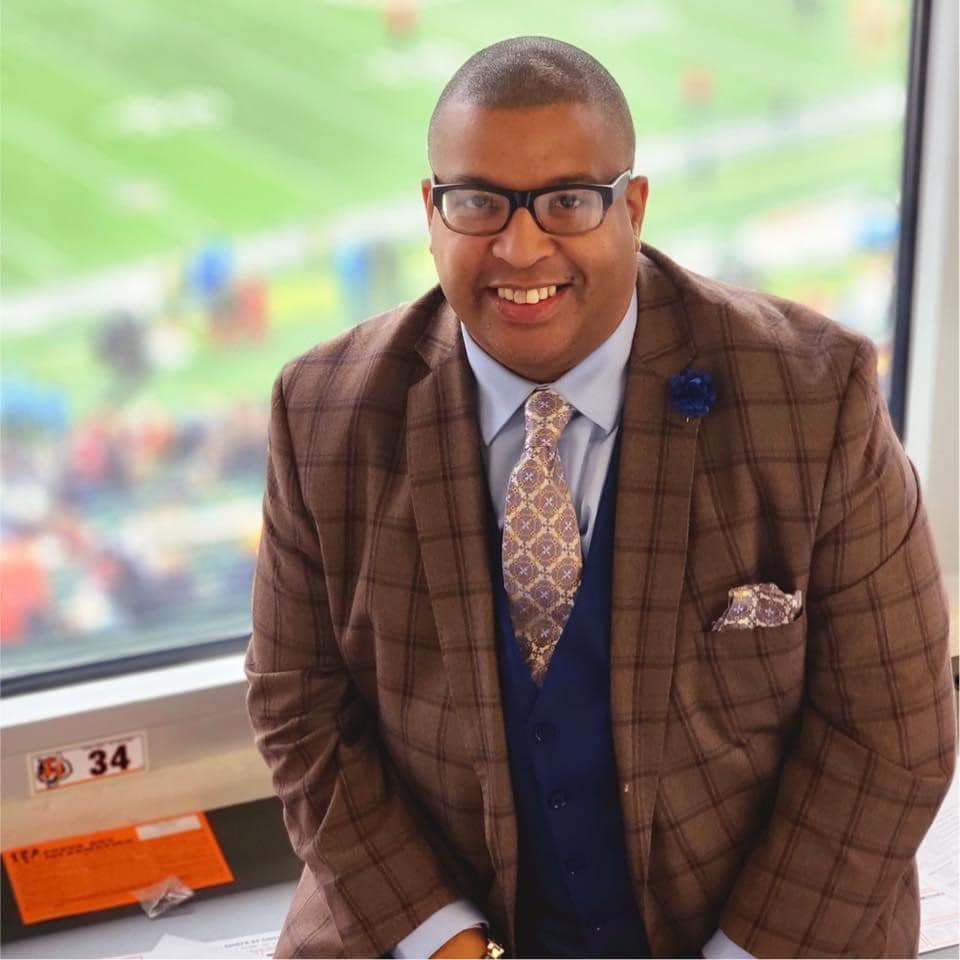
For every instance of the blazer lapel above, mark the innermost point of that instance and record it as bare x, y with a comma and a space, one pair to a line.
449, 492
658, 450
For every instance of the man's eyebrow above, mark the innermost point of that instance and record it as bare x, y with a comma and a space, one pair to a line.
466, 180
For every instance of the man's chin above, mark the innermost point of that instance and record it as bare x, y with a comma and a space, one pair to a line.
538, 363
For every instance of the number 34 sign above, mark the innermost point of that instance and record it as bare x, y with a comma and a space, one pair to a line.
81, 763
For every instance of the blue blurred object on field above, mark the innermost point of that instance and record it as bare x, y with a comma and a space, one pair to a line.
25, 404
878, 231
211, 271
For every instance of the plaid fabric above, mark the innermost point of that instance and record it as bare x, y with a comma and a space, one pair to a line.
776, 782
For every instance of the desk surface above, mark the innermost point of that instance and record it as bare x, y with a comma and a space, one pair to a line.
238, 914
254, 841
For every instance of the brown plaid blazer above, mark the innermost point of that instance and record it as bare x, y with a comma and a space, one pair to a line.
775, 783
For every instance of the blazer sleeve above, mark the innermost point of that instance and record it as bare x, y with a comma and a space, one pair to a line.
347, 813
876, 745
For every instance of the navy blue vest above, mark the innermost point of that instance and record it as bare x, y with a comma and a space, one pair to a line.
575, 895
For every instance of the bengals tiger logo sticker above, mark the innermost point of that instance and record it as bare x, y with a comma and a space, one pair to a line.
53, 769
68, 766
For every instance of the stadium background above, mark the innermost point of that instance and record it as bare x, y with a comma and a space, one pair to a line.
193, 192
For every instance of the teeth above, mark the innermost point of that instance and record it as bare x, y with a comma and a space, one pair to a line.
527, 296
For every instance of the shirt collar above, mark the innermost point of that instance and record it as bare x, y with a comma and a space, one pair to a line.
595, 386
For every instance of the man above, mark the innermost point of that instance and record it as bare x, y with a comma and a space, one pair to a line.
595, 601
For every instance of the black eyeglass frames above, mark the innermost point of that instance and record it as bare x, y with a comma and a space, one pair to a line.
565, 209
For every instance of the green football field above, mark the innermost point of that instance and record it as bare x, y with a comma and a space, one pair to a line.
138, 129
133, 128
138, 132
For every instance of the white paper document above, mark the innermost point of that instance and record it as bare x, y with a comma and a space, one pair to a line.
937, 860
257, 945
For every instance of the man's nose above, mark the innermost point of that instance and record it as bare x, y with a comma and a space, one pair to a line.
522, 243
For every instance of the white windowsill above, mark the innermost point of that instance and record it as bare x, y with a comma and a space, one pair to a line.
200, 749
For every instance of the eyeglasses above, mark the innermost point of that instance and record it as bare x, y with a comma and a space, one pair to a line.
566, 210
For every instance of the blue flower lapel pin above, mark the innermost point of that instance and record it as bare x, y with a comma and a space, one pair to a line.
692, 393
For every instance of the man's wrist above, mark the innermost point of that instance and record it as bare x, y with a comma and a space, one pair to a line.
494, 949
469, 944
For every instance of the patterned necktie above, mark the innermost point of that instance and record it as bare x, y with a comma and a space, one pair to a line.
541, 539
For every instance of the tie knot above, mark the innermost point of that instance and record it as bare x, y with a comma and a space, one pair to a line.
546, 414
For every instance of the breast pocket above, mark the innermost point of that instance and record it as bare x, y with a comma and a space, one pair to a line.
750, 682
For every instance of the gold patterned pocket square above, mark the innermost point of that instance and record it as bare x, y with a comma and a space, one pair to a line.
759, 605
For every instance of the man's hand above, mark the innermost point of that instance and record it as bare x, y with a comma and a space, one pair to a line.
469, 944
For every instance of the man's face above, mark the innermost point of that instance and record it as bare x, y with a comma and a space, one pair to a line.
594, 273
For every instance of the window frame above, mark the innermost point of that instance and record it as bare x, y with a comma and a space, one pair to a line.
191, 701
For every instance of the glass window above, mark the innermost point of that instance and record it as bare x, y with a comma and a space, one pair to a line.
195, 192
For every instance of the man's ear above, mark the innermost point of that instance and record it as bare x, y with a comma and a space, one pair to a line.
637, 190
426, 189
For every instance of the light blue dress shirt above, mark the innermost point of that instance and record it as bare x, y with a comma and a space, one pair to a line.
595, 388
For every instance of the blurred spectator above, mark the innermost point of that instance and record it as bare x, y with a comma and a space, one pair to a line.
28, 405
400, 17
121, 344
138, 591
210, 272
353, 268
239, 313
96, 462
875, 26
699, 87
25, 596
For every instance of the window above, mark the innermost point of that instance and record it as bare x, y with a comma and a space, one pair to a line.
193, 193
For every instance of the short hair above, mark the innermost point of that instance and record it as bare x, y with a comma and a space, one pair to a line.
536, 72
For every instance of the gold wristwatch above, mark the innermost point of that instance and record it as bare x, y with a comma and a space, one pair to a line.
494, 950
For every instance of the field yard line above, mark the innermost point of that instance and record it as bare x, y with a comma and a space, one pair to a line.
143, 286
93, 167
111, 78
665, 156
137, 287
378, 4
763, 61
33, 255
247, 59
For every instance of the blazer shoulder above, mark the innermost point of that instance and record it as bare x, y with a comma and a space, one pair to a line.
751, 330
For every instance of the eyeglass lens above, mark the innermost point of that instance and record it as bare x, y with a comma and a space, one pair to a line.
469, 210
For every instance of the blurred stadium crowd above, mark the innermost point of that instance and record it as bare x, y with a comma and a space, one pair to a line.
134, 426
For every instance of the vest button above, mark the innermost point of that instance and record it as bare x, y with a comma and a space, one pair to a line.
576, 864
542, 732
557, 800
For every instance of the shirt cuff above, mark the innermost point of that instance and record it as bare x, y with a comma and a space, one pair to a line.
437, 929
721, 947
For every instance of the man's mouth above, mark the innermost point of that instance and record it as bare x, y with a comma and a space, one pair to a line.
526, 305
527, 294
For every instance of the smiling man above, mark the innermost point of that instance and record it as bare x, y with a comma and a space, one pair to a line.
542, 290
596, 611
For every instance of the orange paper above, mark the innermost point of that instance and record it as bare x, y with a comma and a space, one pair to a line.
97, 871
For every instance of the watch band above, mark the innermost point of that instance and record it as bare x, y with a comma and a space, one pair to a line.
494, 950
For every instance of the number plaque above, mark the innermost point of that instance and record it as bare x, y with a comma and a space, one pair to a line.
85, 762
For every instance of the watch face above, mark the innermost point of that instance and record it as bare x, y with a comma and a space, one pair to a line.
494, 950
